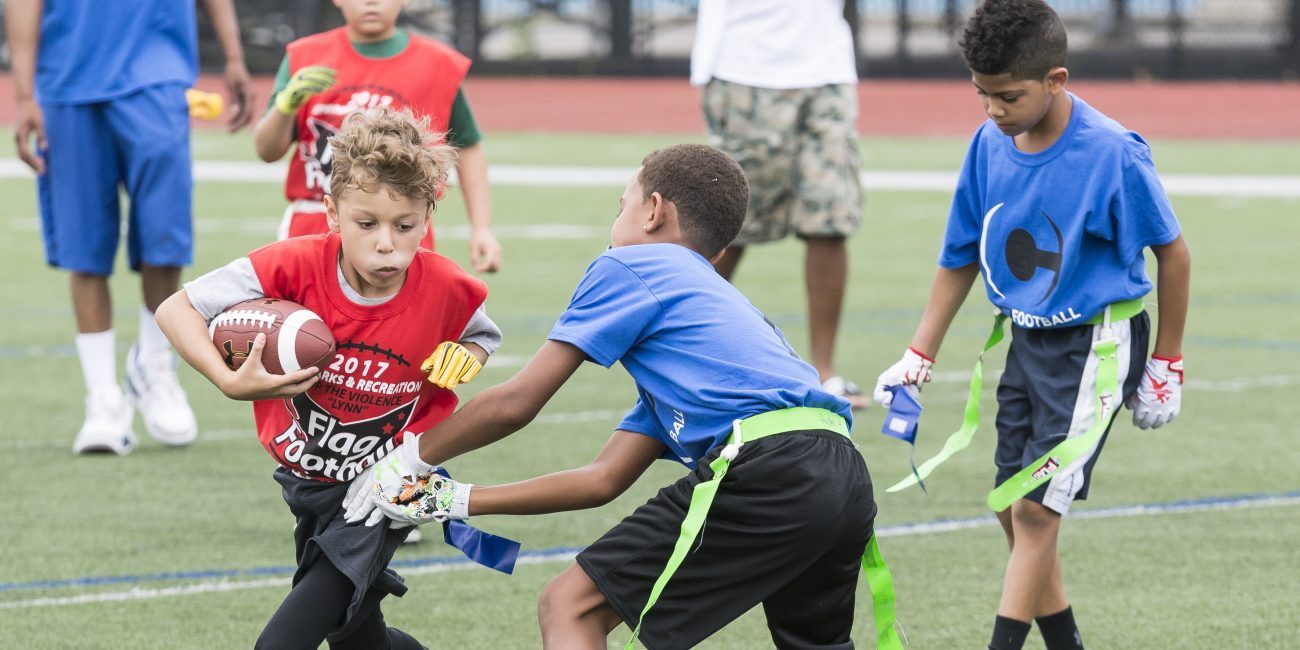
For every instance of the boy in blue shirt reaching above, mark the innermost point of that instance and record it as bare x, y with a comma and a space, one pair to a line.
718, 390
1054, 205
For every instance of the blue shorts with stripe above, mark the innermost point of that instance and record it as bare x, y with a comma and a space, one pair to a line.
1048, 393
140, 142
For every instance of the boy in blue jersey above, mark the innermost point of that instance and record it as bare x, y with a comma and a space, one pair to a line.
1055, 205
100, 87
794, 512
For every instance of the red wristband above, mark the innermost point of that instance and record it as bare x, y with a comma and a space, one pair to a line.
919, 354
1167, 359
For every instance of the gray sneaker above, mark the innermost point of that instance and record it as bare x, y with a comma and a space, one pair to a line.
157, 394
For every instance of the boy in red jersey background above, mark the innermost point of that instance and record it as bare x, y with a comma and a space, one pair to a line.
368, 63
389, 304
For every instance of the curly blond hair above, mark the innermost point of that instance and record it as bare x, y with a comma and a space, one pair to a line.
389, 148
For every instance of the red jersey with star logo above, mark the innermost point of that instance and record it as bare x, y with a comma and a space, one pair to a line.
372, 391
424, 77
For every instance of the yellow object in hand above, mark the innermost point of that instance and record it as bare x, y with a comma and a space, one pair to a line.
450, 364
204, 105
303, 85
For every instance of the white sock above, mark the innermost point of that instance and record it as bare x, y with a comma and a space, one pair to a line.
98, 354
152, 340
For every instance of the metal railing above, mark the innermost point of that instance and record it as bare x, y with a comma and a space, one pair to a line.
1171, 39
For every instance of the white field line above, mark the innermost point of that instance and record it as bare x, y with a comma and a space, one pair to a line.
1239, 385
1236, 385
265, 226
215, 586
611, 416
228, 171
548, 557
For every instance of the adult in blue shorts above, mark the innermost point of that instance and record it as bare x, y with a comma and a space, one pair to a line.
100, 87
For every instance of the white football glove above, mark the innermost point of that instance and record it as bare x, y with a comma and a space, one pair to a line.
430, 497
910, 371
389, 473
1160, 394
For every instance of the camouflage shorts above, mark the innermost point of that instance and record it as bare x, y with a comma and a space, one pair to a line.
799, 149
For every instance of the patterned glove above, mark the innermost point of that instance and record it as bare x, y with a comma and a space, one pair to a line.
911, 371
450, 364
430, 497
400, 466
1160, 395
303, 85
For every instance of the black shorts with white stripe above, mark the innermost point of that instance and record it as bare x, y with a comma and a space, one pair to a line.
1048, 393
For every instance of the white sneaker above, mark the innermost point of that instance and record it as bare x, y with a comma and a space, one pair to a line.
414, 536
152, 384
843, 388
108, 423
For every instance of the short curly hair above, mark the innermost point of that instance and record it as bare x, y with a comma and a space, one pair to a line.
1022, 37
707, 186
389, 148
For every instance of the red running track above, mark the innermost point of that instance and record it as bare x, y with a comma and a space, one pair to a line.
1208, 110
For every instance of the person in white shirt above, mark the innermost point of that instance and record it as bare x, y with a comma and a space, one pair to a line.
780, 96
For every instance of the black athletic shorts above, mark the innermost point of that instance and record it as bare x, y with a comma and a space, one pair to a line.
1048, 393
787, 529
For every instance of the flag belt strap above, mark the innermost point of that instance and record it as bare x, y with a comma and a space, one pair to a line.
1122, 310
798, 418
753, 428
1060, 457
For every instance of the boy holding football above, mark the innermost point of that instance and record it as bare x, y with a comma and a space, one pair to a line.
389, 305
370, 61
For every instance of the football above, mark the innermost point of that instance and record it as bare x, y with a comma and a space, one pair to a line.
295, 336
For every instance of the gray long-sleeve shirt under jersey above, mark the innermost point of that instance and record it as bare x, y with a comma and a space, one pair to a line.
214, 291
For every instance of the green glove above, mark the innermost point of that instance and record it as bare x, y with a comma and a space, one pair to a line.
303, 85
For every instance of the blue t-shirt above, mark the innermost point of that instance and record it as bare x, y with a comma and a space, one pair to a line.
96, 50
702, 355
1059, 234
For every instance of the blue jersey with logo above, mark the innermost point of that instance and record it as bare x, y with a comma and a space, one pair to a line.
1059, 234
95, 50
702, 355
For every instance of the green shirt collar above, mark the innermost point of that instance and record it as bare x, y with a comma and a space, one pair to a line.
391, 46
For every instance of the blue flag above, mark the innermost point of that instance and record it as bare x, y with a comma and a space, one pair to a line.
490, 550
904, 412
901, 422
487, 549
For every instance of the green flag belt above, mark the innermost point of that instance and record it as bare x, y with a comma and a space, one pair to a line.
1065, 453
760, 426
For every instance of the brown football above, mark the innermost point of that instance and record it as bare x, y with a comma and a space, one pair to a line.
295, 336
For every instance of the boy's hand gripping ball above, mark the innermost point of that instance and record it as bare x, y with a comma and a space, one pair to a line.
296, 337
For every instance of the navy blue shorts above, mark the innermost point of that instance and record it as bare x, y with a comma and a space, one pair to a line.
140, 142
1048, 393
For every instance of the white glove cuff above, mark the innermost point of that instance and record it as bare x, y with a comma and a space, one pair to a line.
460, 501
912, 356
410, 454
